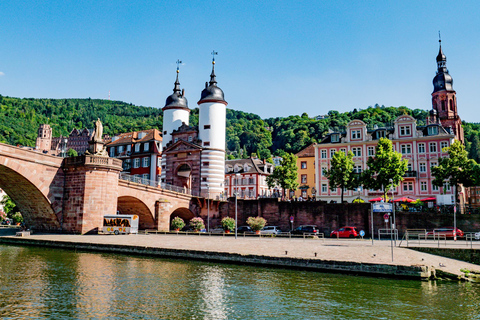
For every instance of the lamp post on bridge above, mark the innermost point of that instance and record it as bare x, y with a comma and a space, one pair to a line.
236, 195
208, 207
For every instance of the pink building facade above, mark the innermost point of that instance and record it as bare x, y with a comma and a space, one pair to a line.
422, 145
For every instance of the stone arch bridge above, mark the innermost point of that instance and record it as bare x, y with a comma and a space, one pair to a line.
73, 194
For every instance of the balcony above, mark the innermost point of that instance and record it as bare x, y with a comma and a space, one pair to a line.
410, 174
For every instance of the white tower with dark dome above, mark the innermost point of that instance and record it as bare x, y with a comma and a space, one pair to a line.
175, 113
212, 126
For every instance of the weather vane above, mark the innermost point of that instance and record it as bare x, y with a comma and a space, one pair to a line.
178, 65
214, 53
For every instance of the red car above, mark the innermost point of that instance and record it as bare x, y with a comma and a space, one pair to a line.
446, 232
345, 232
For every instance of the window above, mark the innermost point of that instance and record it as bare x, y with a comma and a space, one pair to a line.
357, 169
251, 181
324, 154
159, 161
406, 148
146, 146
423, 186
136, 163
334, 138
206, 163
137, 147
120, 149
443, 145
343, 150
446, 186
207, 126
371, 151
324, 170
423, 167
433, 147
146, 176
355, 134
146, 162
204, 179
421, 148
112, 152
409, 167
304, 178
408, 186
405, 131
332, 152
357, 152
303, 165
381, 134
129, 148
433, 164
434, 187
432, 131
206, 144
176, 140
190, 138
324, 188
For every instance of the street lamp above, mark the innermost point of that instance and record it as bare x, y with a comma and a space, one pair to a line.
236, 195
208, 208
393, 211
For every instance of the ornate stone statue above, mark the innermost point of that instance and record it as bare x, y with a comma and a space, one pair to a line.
96, 144
98, 136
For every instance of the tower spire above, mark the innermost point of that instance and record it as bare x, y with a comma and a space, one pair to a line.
177, 83
213, 79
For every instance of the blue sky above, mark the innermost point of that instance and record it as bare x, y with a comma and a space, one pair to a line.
276, 58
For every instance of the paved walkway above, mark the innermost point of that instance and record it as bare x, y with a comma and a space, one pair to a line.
350, 250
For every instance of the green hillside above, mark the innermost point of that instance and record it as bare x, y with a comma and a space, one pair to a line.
246, 133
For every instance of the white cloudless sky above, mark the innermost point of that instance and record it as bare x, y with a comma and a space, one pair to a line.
276, 58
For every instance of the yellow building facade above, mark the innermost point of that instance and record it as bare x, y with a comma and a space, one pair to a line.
306, 173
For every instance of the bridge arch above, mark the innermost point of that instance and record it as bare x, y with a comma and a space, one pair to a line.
132, 205
184, 213
23, 187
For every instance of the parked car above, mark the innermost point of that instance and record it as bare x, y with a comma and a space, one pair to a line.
477, 235
270, 230
244, 229
306, 229
345, 232
7, 222
448, 232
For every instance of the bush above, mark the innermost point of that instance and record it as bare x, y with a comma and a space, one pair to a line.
197, 224
178, 223
228, 224
256, 223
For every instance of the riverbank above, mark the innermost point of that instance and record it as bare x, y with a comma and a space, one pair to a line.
350, 256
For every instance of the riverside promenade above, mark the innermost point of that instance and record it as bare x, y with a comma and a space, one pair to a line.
349, 256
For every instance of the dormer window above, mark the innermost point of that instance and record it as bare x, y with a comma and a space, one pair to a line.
335, 138
405, 131
432, 131
381, 134
355, 134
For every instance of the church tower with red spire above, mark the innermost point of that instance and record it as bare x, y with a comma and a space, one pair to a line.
444, 100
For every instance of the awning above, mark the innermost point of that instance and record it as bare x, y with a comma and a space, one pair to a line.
376, 199
429, 199
403, 199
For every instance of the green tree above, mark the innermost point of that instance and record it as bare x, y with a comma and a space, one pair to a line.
455, 169
9, 207
285, 175
341, 174
385, 169
72, 153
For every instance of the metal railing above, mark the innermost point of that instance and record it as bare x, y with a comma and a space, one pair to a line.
388, 232
156, 184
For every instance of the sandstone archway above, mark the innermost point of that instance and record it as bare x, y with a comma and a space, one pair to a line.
183, 213
132, 205
36, 209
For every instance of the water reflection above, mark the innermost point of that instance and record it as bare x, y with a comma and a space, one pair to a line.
44, 283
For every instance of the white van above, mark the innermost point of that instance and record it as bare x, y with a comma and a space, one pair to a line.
120, 223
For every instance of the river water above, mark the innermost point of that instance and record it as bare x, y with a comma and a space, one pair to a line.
43, 283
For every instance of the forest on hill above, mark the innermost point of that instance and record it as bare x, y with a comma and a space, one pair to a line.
246, 133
